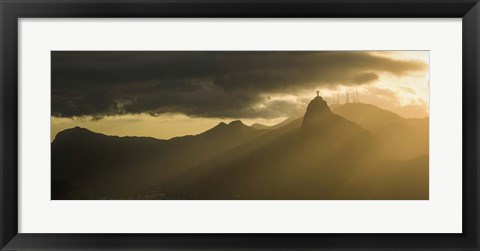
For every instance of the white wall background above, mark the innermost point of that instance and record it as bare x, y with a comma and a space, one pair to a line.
441, 214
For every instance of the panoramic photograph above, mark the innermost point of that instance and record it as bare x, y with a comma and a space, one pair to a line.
239, 125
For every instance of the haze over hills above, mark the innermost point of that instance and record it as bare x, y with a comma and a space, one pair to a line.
356, 151
265, 127
399, 138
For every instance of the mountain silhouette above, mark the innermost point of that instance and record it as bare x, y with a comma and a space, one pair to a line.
318, 114
224, 131
322, 155
111, 166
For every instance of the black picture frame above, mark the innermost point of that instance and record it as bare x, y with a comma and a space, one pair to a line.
11, 11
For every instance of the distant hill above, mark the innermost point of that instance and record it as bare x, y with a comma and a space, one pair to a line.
372, 117
322, 155
265, 127
398, 137
259, 126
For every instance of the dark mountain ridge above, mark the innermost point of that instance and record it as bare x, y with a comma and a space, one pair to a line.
319, 156
110, 166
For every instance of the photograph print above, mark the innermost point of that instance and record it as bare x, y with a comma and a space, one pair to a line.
239, 125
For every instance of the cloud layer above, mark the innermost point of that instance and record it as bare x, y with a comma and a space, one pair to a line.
205, 84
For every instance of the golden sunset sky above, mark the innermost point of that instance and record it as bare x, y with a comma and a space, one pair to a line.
168, 94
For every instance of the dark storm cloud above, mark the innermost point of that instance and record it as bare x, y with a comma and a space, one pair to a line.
204, 84
365, 78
